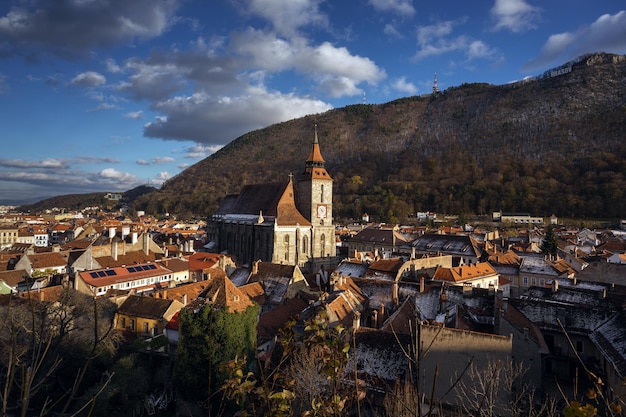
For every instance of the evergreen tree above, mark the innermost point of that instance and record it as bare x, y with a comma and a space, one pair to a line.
209, 338
548, 244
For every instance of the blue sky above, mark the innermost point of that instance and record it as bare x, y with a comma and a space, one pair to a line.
106, 95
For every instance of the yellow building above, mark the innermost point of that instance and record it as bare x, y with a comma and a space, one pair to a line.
145, 316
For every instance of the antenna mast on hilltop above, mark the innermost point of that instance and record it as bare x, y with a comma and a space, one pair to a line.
435, 88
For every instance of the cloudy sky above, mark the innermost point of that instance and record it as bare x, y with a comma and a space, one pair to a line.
106, 95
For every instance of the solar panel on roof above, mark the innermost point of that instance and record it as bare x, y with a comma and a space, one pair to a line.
111, 272
102, 274
93, 275
145, 267
152, 266
131, 269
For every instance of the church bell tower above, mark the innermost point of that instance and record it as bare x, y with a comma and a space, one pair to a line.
315, 202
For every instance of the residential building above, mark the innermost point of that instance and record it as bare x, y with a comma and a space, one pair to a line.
479, 275
145, 316
8, 235
140, 278
382, 242
464, 249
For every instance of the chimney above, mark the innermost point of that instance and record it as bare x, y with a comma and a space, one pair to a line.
395, 293
413, 252
382, 311
422, 285
375, 319
114, 250
111, 232
184, 299
356, 321
146, 244
255, 267
555, 286
164, 294
133, 238
125, 231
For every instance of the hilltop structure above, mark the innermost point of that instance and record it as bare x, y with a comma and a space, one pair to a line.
286, 223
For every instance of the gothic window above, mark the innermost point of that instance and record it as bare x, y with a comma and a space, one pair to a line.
305, 244
322, 245
322, 193
287, 248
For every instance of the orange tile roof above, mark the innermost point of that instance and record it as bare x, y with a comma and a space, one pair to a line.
472, 271
221, 292
44, 260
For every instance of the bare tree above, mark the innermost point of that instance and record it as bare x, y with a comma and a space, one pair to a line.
498, 389
35, 339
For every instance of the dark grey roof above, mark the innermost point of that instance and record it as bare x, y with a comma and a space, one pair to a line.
610, 339
253, 199
376, 236
458, 245
578, 311
352, 269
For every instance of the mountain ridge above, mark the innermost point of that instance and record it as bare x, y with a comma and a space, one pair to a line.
548, 144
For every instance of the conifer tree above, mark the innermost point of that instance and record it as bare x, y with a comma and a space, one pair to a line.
548, 244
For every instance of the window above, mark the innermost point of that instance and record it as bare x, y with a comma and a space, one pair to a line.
579, 346
533, 280
145, 327
322, 193
525, 281
123, 322
322, 245
305, 244
132, 324
286, 239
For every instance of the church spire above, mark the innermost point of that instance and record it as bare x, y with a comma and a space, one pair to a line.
315, 159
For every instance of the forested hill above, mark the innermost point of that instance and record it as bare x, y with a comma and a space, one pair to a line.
552, 144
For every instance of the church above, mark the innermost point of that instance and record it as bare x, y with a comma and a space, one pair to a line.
287, 222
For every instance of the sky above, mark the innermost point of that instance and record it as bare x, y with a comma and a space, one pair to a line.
107, 95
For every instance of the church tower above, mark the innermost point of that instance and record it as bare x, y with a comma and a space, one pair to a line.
315, 202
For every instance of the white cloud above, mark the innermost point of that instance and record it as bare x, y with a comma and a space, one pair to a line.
514, 15
112, 66
401, 7
606, 34
68, 28
287, 17
88, 79
478, 49
199, 151
391, 31
319, 62
142, 162
134, 114
403, 86
160, 178
44, 164
162, 160
119, 177
187, 117
438, 39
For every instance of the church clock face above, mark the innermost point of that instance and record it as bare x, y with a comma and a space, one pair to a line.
321, 211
